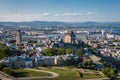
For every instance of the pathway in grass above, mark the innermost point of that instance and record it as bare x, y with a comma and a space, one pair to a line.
28, 74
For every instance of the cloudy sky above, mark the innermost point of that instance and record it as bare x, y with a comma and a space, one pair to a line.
60, 10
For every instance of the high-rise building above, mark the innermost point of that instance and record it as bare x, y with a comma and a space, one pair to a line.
18, 37
103, 33
70, 37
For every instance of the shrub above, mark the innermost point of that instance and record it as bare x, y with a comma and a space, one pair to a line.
6, 70
9, 71
2, 65
12, 72
43, 65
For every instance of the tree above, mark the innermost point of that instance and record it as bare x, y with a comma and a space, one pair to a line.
48, 52
4, 51
12, 72
61, 61
6, 69
9, 71
68, 51
106, 64
70, 61
2, 65
60, 51
88, 65
79, 53
110, 72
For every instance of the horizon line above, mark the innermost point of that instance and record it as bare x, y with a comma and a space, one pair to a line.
61, 21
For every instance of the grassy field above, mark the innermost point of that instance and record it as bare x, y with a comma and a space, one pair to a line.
69, 74
28, 73
65, 73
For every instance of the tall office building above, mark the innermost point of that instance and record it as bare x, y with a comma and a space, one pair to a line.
18, 37
103, 33
70, 37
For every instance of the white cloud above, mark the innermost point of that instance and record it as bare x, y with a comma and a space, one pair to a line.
57, 15
23, 17
68, 14
44, 16
90, 13
72, 14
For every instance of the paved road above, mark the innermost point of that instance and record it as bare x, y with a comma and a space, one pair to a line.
54, 75
4, 76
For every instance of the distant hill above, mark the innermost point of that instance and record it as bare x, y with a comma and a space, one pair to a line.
32, 23
55, 23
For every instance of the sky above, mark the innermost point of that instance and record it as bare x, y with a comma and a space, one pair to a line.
60, 10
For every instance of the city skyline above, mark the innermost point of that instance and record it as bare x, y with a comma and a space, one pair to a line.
60, 10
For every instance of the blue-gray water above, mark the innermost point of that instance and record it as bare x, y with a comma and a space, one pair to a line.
82, 36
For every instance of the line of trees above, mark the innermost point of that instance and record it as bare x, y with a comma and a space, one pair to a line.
61, 51
56, 51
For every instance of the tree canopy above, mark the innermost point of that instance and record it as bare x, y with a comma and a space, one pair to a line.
4, 51
79, 53
56, 51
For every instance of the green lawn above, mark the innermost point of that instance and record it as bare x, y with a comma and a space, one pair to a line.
28, 73
69, 74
